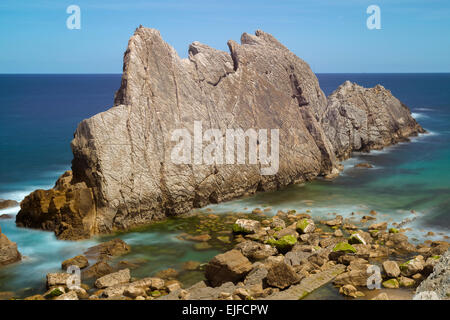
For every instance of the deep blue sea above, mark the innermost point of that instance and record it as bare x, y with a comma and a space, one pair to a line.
39, 113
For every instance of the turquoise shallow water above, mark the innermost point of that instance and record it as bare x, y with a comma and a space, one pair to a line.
39, 115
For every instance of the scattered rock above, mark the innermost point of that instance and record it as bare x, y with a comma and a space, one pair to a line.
119, 277
80, 261
281, 275
391, 269
256, 251
230, 266
305, 226
391, 284
112, 248
246, 226
364, 165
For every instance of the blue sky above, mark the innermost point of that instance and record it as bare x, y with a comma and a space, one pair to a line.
331, 35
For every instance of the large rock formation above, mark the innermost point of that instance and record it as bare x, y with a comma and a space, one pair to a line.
8, 251
124, 172
361, 119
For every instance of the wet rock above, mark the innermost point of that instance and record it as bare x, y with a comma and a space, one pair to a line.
119, 277
80, 261
348, 290
167, 274
363, 165
112, 248
281, 275
8, 251
97, 270
381, 296
230, 266
334, 222
4, 204
191, 265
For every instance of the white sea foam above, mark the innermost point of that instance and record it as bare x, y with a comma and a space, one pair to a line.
417, 115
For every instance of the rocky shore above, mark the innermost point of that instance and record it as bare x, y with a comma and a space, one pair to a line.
122, 175
286, 256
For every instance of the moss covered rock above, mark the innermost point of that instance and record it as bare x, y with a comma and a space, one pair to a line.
356, 238
284, 244
344, 247
391, 284
305, 226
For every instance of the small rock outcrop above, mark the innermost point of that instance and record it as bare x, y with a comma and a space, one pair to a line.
8, 251
4, 204
362, 119
124, 173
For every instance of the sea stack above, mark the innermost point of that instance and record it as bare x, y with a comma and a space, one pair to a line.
123, 171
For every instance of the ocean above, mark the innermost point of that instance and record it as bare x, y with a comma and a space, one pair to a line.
39, 114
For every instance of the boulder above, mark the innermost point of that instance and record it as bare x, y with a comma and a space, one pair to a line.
57, 279
356, 238
230, 266
8, 251
283, 244
334, 222
80, 261
391, 284
256, 251
97, 270
305, 226
378, 226
391, 269
119, 277
246, 226
281, 275
112, 248
412, 266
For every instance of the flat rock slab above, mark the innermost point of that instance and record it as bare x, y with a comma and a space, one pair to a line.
308, 284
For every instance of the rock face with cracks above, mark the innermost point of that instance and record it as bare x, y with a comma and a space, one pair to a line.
124, 173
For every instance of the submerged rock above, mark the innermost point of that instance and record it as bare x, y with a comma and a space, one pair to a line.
124, 171
4, 204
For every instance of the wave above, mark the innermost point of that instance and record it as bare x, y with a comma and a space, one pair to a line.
417, 115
